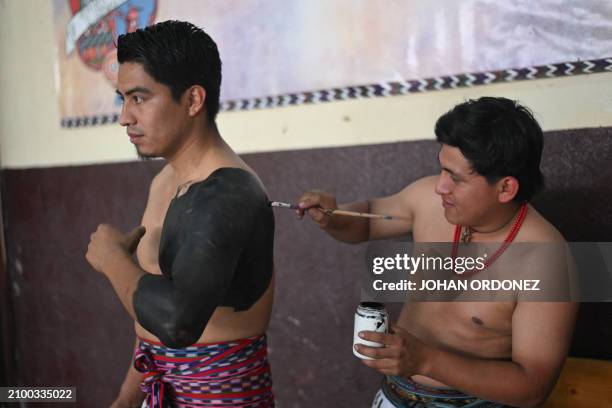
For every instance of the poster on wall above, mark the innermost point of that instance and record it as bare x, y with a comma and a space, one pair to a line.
278, 53
86, 34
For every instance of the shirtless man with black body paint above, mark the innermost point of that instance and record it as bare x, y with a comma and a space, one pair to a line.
507, 352
204, 276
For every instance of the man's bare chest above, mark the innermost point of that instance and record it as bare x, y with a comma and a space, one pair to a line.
480, 328
153, 221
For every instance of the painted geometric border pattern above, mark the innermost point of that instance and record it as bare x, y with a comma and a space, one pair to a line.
389, 88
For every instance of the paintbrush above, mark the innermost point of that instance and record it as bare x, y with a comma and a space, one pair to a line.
329, 211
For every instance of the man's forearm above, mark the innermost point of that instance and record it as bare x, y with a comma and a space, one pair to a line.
124, 275
501, 381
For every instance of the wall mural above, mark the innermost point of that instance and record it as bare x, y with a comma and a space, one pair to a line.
278, 53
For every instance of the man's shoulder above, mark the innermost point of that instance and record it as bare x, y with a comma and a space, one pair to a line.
427, 183
231, 186
163, 179
421, 194
161, 190
536, 228
233, 178
229, 198
421, 189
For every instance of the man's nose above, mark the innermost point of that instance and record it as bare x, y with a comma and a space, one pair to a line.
442, 186
126, 118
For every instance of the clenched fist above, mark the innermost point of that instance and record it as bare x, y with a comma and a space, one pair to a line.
107, 243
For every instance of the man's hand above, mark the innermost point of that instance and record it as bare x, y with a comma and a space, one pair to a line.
107, 243
403, 354
313, 203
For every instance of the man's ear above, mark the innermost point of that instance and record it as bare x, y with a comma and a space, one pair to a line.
196, 96
507, 189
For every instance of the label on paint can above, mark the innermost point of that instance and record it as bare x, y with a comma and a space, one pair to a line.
370, 316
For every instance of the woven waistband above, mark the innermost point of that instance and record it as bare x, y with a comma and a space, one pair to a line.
234, 373
407, 393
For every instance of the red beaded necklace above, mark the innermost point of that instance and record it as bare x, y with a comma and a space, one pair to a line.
509, 238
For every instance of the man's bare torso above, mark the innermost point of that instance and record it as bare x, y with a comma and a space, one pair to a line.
225, 323
478, 329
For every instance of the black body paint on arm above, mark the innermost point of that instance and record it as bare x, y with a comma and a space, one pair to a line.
215, 250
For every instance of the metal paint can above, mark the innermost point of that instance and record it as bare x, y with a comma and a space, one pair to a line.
370, 316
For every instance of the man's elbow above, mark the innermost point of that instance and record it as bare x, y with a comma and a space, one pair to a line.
533, 399
178, 335
533, 403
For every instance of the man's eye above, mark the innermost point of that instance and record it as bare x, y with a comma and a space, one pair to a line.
137, 99
452, 177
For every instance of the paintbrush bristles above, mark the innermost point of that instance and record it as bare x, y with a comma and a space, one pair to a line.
278, 204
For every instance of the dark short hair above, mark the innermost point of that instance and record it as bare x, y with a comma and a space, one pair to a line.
177, 54
499, 137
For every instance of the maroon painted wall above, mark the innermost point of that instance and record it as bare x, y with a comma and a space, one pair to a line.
71, 330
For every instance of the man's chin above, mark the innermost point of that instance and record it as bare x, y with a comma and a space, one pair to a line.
145, 156
451, 216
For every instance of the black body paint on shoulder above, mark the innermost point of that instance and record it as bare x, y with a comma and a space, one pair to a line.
215, 250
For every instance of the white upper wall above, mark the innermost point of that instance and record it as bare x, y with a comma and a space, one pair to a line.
31, 136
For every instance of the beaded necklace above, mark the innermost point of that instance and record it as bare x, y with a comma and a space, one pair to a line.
465, 237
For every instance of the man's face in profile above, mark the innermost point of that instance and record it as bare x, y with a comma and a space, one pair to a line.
467, 197
155, 121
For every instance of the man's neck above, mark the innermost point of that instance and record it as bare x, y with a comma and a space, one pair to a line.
198, 152
498, 223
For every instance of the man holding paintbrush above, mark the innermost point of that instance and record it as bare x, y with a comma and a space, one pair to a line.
201, 290
472, 354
